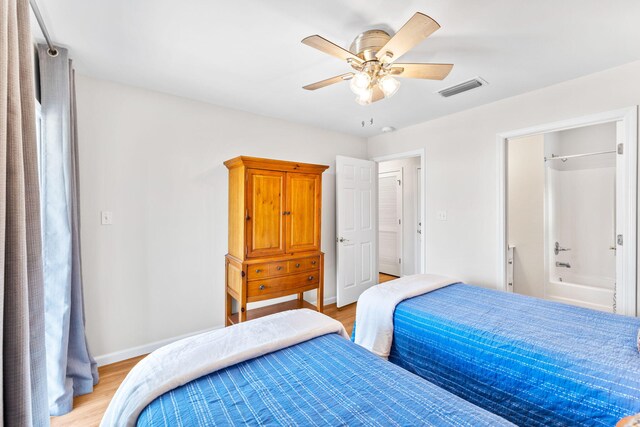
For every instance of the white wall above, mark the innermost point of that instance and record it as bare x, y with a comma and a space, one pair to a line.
586, 139
582, 219
462, 169
156, 161
525, 198
410, 216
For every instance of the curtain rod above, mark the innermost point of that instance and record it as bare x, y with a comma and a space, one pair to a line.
563, 158
36, 11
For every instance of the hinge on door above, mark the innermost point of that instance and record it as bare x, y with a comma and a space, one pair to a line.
620, 148
399, 221
619, 239
399, 260
399, 182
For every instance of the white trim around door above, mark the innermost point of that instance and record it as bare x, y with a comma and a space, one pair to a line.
627, 291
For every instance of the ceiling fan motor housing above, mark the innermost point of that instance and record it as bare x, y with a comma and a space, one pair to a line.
367, 44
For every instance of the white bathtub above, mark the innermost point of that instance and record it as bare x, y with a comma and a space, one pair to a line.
597, 293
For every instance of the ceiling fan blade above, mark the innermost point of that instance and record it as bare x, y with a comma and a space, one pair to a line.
421, 71
327, 82
330, 48
418, 28
377, 95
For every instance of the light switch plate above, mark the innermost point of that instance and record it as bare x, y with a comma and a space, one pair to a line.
106, 217
442, 215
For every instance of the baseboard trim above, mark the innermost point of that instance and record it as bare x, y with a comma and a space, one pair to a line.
118, 356
327, 301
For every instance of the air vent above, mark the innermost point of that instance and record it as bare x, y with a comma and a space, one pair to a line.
462, 87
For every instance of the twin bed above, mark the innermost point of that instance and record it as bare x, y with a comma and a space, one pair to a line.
461, 355
326, 381
531, 361
294, 368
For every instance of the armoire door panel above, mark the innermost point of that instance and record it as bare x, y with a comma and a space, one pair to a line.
303, 201
265, 209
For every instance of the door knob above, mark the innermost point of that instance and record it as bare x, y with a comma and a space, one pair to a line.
342, 240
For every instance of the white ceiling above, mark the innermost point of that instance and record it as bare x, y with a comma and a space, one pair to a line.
247, 54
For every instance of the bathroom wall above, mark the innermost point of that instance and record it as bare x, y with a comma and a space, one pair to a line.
526, 213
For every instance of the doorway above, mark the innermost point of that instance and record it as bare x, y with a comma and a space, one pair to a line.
398, 216
569, 212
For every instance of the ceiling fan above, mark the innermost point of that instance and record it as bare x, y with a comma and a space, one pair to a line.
371, 55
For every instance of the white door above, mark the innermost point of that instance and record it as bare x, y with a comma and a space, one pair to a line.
390, 222
356, 222
418, 268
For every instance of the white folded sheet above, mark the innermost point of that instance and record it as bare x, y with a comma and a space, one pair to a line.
188, 359
374, 313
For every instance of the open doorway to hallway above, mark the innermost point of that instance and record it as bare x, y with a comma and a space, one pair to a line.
399, 217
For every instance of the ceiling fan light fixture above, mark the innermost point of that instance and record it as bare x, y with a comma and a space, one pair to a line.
364, 97
360, 83
388, 85
373, 55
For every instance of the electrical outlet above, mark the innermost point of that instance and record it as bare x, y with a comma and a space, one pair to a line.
106, 217
442, 215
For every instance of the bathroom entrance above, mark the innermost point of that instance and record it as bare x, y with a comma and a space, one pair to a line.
567, 254
570, 216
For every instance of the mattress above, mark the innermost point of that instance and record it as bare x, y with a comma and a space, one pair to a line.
325, 381
531, 361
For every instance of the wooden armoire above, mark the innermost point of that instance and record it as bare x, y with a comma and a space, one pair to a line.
275, 211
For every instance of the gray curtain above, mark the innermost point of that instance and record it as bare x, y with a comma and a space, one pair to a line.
23, 376
71, 370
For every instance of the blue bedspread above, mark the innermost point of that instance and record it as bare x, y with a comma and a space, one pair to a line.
531, 361
326, 381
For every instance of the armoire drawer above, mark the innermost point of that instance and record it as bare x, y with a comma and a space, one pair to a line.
258, 271
304, 264
267, 270
258, 288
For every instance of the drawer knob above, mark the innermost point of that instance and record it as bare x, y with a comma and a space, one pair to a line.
258, 271
310, 277
261, 287
313, 262
279, 268
298, 265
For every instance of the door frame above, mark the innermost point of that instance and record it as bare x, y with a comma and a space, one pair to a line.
420, 175
629, 118
423, 208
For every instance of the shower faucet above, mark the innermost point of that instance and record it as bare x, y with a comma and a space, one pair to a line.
557, 249
563, 264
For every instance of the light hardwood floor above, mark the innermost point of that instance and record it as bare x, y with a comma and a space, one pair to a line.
88, 409
386, 277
